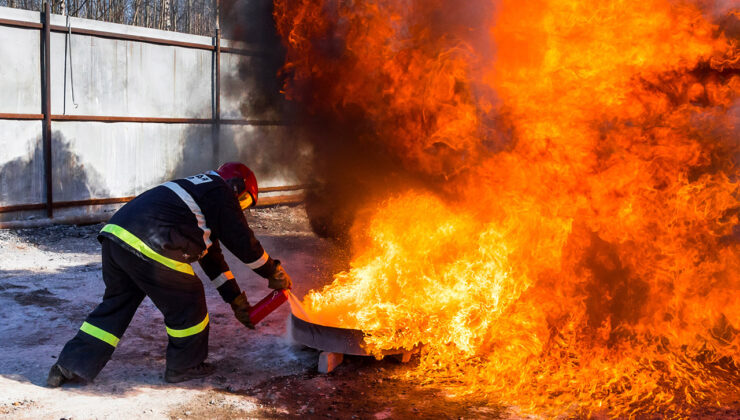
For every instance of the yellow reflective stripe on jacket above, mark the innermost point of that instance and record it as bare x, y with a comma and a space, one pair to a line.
100, 334
140, 246
188, 331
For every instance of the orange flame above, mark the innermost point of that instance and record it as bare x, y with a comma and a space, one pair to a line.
584, 256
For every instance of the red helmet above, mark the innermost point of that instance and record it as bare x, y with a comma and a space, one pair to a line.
240, 179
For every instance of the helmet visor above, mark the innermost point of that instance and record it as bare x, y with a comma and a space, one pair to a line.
245, 200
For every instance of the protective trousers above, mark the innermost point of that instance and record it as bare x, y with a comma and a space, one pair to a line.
128, 278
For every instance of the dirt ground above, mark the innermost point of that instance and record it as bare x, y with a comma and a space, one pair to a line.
50, 280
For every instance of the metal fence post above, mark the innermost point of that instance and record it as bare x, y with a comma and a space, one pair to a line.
216, 128
46, 106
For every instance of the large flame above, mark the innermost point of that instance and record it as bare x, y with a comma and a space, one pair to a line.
579, 249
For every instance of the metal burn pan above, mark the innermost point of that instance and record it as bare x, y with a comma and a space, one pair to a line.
331, 339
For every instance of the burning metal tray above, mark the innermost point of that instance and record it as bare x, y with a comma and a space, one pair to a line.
329, 339
334, 343
332, 339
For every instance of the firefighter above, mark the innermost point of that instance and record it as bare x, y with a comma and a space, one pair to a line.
147, 249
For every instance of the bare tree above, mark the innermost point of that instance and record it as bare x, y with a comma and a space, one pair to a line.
190, 16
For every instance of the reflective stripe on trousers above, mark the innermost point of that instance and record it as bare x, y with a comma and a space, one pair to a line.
187, 332
140, 246
100, 334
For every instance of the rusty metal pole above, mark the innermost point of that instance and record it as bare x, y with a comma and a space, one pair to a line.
216, 128
46, 106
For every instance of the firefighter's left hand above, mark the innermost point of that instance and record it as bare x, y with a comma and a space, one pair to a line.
241, 307
280, 278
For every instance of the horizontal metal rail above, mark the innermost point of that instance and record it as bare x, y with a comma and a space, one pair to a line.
103, 201
102, 118
223, 121
158, 120
102, 217
281, 199
128, 37
285, 188
20, 24
6, 116
64, 204
246, 52
138, 38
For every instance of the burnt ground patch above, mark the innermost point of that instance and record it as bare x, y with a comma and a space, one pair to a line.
39, 297
61, 238
361, 388
8, 286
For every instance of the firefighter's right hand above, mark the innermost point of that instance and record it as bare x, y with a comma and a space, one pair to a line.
280, 278
241, 308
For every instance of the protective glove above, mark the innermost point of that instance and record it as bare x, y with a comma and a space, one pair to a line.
241, 308
279, 279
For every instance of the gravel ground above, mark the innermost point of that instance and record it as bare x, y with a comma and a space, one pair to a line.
50, 279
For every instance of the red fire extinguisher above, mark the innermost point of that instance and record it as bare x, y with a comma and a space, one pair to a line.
267, 305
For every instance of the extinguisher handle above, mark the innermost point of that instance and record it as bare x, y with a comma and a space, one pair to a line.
267, 305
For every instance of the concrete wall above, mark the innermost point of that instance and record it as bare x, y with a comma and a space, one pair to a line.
132, 79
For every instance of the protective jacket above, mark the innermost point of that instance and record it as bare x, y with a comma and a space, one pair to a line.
147, 249
183, 221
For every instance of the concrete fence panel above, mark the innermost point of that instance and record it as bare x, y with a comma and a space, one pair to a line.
127, 78
20, 65
21, 163
131, 108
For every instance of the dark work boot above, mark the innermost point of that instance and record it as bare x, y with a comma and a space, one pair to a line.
200, 371
59, 375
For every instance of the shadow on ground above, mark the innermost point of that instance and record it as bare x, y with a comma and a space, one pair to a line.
61, 238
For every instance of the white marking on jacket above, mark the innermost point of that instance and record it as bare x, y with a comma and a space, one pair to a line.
259, 262
194, 208
223, 278
199, 179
